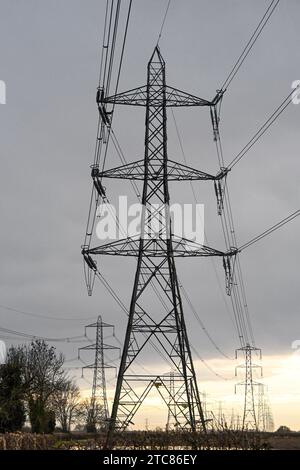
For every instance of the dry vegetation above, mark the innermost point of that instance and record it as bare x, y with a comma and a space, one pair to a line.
140, 440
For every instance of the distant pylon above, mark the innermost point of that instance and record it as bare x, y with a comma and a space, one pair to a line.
204, 406
171, 407
232, 419
238, 422
249, 416
220, 415
269, 420
264, 412
261, 416
98, 397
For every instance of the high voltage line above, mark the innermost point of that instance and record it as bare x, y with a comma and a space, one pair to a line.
261, 25
42, 316
262, 130
270, 230
69, 339
163, 22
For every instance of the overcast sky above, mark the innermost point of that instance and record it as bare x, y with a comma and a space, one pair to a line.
49, 60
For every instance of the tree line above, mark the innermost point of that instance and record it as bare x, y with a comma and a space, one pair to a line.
35, 388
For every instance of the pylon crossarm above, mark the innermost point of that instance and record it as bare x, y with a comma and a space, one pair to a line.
175, 171
94, 346
179, 172
134, 170
154, 248
143, 377
245, 383
96, 324
173, 98
104, 366
134, 97
185, 247
248, 347
124, 247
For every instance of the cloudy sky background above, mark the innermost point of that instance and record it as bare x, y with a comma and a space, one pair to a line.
49, 52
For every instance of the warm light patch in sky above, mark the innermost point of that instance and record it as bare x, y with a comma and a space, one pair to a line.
281, 374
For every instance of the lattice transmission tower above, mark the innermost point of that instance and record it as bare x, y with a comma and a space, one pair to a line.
250, 419
161, 326
269, 419
261, 408
265, 420
98, 412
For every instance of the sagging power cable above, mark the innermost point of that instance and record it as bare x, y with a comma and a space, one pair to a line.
163, 22
261, 131
43, 317
261, 25
270, 230
70, 339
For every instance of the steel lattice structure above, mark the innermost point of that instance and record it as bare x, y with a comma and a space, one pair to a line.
155, 259
261, 408
98, 397
250, 419
264, 414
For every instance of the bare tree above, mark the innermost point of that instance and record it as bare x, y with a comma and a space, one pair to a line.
66, 404
92, 421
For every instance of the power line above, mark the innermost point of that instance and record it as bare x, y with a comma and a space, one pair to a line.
113, 45
239, 292
203, 327
43, 317
250, 43
103, 134
163, 22
207, 365
123, 46
118, 78
106, 36
70, 339
270, 230
103, 140
235, 287
278, 111
206, 242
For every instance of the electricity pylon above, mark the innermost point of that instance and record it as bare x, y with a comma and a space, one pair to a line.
269, 420
98, 397
261, 409
264, 414
250, 422
171, 405
162, 326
